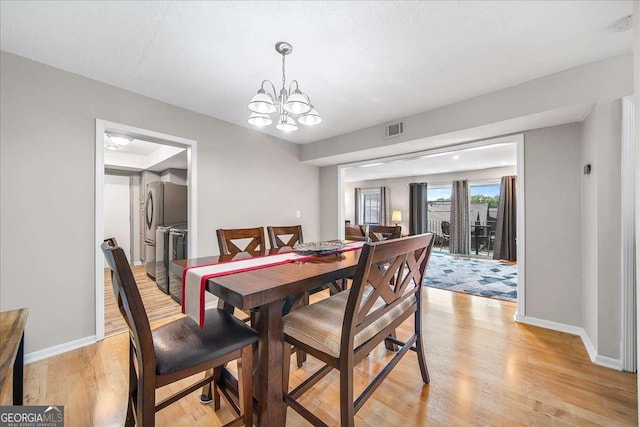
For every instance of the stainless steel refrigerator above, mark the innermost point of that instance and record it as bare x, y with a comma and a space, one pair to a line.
165, 205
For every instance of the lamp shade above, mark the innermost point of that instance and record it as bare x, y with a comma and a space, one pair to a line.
310, 118
396, 216
258, 119
262, 103
286, 123
297, 103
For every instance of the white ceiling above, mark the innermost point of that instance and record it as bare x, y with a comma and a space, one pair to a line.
496, 153
362, 63
141, 155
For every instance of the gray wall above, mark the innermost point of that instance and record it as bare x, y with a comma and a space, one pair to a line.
47, 153
553, 230
601, 84
329, 203
399, 188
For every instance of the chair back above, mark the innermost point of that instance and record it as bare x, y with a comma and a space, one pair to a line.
388, 273
446, 227
277, 233
130, 303
387, 231
226, 238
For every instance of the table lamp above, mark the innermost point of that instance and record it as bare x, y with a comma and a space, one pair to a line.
396, 217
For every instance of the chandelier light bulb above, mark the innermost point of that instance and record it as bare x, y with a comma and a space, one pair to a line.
310, 118
286, 124
258, 119
262, 103
297, 103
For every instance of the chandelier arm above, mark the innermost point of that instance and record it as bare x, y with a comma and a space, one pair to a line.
291, 84
275, 93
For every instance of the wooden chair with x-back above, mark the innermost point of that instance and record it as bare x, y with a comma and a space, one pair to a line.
292, 233
344, 328
228, 240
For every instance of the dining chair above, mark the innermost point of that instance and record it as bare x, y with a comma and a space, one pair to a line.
177, 350
344, 328
229, 238
292, 232
445, 227
384, 232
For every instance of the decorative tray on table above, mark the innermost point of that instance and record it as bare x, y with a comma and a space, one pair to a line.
319, 247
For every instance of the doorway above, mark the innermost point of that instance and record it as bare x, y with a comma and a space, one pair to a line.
157, 154
477, 156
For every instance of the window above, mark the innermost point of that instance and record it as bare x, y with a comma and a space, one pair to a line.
483, 203
370, 206
440, 193
438, 207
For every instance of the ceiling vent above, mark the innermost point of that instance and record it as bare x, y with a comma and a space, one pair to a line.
392, 130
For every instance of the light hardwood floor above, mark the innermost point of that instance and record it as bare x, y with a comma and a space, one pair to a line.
485, 370
159, 306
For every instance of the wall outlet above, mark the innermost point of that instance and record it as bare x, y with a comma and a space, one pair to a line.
297, 214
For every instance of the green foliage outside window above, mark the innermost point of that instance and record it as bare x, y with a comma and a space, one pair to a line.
491, 201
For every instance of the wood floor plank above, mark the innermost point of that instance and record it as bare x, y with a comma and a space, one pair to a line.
485, 370
159, 306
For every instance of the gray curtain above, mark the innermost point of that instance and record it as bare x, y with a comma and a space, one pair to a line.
356, 202
504, 246
460, 237
418, 208
385, 214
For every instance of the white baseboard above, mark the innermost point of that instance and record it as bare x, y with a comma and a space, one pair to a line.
607, 362
34, 356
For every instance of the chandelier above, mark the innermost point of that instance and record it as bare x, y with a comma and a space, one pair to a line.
287, 103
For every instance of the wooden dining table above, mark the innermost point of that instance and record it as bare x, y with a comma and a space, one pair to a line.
263, 290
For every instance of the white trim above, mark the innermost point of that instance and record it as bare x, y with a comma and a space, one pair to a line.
99, 228
627, 240
58, 349
520, 226
341, 227
607, 362
505, 139
192, 156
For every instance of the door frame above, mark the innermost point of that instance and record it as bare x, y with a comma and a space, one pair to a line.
191, 146
628, 331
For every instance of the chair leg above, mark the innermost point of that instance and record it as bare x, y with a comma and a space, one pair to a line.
206, 395
422, 361
347, 410
146, 403
245, 385
301, 356
217, 376
389, 345
130, 419
286, 367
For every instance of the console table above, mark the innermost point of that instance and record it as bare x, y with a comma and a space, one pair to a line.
12, 325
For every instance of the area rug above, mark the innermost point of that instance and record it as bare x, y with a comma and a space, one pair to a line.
486, 278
